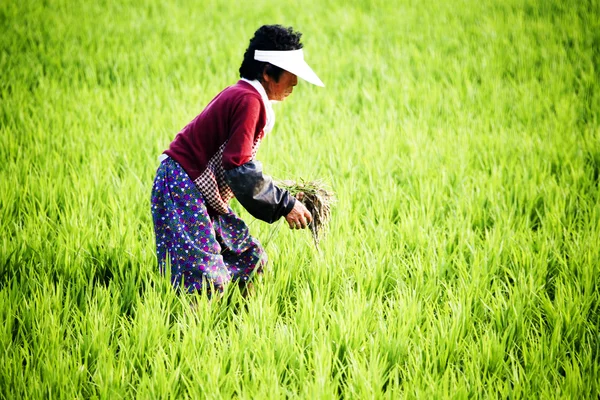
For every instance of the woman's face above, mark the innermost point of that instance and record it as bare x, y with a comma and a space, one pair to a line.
282, 89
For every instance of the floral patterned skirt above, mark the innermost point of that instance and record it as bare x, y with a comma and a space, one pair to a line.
203, 252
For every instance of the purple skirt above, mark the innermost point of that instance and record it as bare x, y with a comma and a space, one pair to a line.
203, 252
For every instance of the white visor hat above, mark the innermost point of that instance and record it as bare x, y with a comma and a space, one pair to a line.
291, 61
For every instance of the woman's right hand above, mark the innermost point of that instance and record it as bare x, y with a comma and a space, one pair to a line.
299, 217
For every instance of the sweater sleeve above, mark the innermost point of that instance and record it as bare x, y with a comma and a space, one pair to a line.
257, 193
245, 120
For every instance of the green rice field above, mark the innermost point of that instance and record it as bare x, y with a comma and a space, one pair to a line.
462, 139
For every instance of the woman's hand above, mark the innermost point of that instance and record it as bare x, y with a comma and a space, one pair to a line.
299, 217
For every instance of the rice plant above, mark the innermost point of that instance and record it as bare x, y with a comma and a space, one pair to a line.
461, 139
318, 199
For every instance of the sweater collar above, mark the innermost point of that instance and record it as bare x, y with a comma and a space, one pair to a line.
268, 104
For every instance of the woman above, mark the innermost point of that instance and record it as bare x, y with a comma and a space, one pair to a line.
212, 160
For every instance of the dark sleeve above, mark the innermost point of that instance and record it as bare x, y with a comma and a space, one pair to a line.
257, 193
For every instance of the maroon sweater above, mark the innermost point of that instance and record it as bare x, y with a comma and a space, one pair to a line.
233, 121
238, 114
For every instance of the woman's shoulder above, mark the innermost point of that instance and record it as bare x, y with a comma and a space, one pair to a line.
242, 88
242, 93
234, 95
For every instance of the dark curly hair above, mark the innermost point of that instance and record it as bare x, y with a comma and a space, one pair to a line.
268, 37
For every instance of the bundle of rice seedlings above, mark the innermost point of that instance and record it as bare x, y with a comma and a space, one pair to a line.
318, 199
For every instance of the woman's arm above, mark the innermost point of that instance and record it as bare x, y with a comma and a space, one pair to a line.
257, 193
